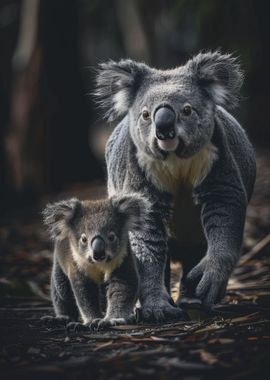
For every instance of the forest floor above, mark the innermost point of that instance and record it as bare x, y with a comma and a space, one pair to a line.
232, 341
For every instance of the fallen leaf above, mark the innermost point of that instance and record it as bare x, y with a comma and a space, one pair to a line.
207, 357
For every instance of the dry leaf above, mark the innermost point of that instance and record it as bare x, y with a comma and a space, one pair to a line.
207, 357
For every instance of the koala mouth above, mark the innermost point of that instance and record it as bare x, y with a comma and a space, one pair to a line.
168, 145
103, 259
100, 259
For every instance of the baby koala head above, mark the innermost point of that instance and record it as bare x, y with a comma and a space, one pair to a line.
97, 230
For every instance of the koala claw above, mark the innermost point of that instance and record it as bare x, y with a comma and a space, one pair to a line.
50, 321
95, 323
207, 282
104, 323
160, 313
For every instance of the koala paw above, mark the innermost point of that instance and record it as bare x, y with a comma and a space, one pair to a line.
50, 321
161, 311
104, 323
77, 327
207, 281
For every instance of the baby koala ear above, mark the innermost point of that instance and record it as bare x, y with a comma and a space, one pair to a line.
219, 75
59, 216
135, 207
116, 86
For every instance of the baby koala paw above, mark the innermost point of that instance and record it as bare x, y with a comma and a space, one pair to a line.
105, 323
51, 321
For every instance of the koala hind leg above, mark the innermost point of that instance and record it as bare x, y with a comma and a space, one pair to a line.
190, 258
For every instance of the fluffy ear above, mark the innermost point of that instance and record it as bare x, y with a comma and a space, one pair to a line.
134, 207
220, 75
58, 216
116, 86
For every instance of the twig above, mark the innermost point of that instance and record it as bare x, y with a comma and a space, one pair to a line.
256, 249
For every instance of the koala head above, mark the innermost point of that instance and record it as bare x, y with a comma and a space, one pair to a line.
171, 110
97, 230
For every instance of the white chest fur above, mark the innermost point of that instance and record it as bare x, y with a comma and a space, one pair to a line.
168, 175
98, 272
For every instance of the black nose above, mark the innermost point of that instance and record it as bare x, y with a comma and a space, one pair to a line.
98, 247
165, 119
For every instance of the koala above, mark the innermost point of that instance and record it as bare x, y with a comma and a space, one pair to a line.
178, 144
92, 249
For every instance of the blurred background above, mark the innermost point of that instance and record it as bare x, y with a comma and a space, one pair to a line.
52, 135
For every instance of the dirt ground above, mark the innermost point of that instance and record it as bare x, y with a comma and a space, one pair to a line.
231, 341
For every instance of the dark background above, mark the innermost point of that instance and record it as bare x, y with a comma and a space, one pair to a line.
51, 134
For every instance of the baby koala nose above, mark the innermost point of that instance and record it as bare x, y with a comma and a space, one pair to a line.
98, 247
165, 120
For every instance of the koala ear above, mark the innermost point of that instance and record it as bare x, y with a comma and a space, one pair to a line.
59, 215
116, 86
220, 75
134, 207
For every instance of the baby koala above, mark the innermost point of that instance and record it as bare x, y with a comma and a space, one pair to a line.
92, 252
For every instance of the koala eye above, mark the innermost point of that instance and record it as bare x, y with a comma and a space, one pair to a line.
187, 110
145, 114
84, 239
111, 237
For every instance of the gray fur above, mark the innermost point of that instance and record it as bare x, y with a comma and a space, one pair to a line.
77, 277
215, 165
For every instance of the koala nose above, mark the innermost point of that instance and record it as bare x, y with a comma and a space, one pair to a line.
98, 247
165, 120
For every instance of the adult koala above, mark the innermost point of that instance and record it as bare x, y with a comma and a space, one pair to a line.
179, 146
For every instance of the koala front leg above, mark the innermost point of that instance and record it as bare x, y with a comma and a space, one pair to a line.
86, 293
122, 293
223, 195
151, 249
64, 304
223, 224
